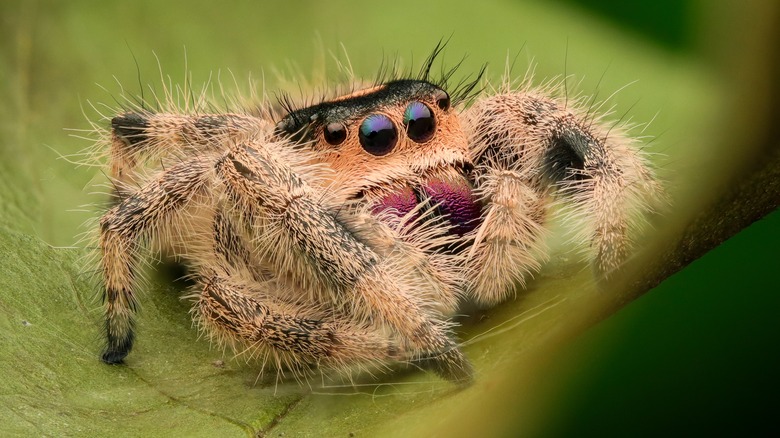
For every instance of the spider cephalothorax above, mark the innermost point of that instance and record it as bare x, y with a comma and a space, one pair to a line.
348, 232
394, 146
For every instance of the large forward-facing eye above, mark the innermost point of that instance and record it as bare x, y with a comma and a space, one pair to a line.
419, 121
377, 135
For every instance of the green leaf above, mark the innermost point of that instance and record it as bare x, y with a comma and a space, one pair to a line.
52, 54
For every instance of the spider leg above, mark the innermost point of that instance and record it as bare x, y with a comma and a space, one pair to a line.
508, 245
121, 230
231, 249
303, 238
139, 137
293, 336
549, 148
347, 342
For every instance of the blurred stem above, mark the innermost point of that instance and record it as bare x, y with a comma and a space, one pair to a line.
746, 57
740, 193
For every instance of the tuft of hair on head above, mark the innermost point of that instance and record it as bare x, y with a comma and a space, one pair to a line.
462, 91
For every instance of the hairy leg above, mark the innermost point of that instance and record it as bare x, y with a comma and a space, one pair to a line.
555, 149
291, 336
138, 137
507, 246
303, 238
122, 229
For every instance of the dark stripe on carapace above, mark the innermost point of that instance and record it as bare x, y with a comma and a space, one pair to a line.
299, 124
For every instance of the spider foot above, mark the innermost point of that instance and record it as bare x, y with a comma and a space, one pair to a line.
450, 365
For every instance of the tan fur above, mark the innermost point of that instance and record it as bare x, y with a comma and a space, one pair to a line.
291, 271
619, 187
409, 162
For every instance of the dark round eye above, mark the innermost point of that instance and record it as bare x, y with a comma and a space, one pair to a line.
377, 134
442, 100
419, 121
335, 133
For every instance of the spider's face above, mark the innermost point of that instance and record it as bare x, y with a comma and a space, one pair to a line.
394, 146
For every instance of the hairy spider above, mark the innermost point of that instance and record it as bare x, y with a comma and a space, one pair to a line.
346, 233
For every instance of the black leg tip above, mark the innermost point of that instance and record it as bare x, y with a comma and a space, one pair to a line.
450, 365
113, 357
131, 127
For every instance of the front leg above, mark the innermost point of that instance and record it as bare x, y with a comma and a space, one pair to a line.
307, 242
293, 336
508, 245
545, 148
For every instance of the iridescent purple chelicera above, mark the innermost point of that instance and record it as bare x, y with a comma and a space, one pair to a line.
453, 200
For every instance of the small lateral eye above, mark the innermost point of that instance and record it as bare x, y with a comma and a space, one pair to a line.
419, 121
335, 133
377, 135
442, 100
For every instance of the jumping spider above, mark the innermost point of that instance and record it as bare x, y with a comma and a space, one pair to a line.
347, 233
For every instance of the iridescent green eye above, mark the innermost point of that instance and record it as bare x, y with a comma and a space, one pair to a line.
419, 121
335, 133
377, 135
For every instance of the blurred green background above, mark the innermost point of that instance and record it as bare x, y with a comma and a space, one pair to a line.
699, 352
